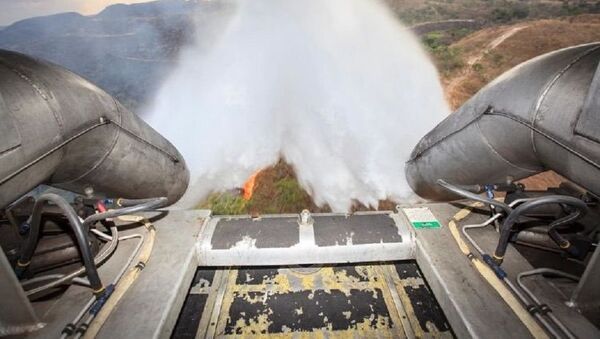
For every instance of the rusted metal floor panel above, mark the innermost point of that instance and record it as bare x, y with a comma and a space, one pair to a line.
378, 300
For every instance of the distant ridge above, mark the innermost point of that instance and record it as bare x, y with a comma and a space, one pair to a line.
125, 49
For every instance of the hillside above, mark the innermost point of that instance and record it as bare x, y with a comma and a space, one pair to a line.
489, 12
125, 49
486, 54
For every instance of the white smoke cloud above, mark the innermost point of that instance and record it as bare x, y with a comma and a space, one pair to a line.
338, 88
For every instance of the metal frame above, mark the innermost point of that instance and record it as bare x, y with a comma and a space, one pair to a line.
19, 318
306, 251
472, 307
587, 294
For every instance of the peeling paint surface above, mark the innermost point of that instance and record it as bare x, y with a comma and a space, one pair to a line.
320, 302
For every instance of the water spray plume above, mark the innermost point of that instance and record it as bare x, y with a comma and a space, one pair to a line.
338, 88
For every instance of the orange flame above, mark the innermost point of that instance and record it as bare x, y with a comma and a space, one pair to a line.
249, 186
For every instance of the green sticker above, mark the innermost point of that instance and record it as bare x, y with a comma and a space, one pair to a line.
426, 224
421, 217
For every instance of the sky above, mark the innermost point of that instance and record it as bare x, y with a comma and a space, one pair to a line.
15, 10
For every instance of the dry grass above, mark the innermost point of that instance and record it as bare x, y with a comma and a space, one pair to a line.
538, 37
489, 12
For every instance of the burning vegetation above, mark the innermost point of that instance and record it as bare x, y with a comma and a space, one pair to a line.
249, 186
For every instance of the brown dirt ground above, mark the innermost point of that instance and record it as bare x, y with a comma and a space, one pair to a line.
536, 38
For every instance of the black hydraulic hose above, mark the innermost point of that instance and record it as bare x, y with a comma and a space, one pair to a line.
471, 188
110, 248
511, 219
470, 195
131, 202
148, 205
78, 230
558, 238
